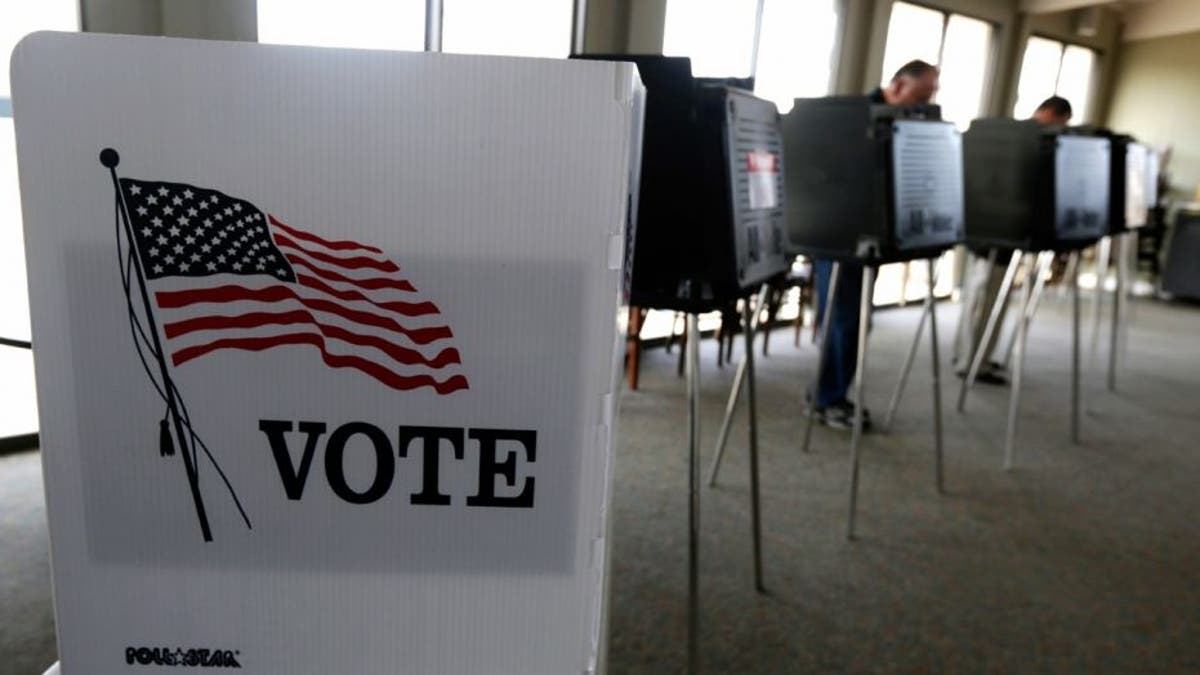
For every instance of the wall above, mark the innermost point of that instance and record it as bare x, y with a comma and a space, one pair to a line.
1156, 97
211, 19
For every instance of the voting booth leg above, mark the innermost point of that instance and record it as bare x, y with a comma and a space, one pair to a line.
834, 273
1045, 260
906, 369
1118, 310
1018, 371
1075, 394
692, 346
1070, 273
735, 393
937, 383
864, 317
977, 351
1103, 253
748, 316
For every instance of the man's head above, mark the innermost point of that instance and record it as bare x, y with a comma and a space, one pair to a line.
1055, 111
914, 84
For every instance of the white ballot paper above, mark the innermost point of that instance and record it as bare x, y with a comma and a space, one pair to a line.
326, 352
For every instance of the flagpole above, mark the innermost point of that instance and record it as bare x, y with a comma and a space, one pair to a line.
110, 159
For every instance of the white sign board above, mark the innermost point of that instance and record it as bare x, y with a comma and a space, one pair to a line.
1081, 187
928, 168
326, 350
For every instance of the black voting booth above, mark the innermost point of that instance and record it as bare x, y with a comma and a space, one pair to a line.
875, 184
710, 230
878, 183
1037, 190
711, 203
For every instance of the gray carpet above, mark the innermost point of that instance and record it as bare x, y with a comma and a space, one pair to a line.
1084, 559
26, 616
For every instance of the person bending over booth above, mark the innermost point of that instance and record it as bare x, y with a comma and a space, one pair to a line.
915, 83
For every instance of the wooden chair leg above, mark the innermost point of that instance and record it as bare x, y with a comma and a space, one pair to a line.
633, 347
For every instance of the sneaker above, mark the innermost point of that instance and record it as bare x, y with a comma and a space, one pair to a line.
841, 416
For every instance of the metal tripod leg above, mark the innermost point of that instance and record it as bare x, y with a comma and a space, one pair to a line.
1076, 404
1071, 272
1118, 311
748, 317
693, 413
977, 350
834, 273
1103, 253
860, 375
937, 384
906, 369
1045, 260
1014, 402
735, 393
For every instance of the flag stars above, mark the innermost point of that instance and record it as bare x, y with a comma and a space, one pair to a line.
163, 191
187, 194
212, 267
228, 211
281, 272
237, 206
151, 200
142, 210
153, 251
158, 269
192, 212
184, 266
217, 216
135, 189
221, 259
156, 221
189, 240
170, 260
237, 267
162, 241
174, 231
183, 220
195, 257
146, 232
178, 248
205, 248
177, 200
208, 222
168, 210
204, 205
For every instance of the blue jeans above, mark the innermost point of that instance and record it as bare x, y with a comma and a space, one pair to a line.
841, 351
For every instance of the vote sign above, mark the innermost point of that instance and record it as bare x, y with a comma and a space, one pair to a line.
326, 350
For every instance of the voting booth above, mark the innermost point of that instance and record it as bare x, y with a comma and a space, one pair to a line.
1035, 188
326, 350
877, 184
711, 204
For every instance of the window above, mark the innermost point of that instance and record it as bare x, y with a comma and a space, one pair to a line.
959, 45
370, 24
510, 28
1051, 68
718, 35
794, 46
795, 50
18, 406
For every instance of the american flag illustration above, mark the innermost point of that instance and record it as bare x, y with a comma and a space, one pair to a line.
227, 275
